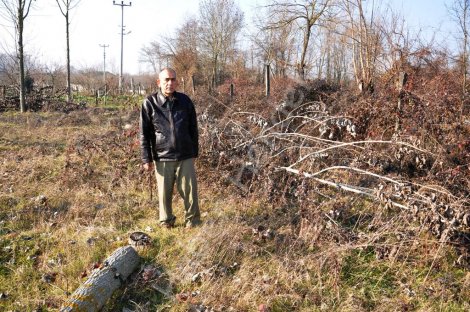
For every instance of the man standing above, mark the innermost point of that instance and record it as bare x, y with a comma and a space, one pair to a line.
169, 139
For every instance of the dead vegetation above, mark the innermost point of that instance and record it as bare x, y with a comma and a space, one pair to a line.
312, 202
345, 197
44, 99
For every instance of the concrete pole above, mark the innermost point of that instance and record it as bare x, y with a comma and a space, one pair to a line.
122, 5
104, 46
267, 80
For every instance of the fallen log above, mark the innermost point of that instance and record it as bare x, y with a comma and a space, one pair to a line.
92, 295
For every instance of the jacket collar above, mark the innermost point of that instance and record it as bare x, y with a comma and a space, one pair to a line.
161, 99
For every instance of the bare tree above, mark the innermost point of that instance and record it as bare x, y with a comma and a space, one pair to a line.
179, 50
17, 11
460, 11
332, 60
183, 49
306, 14
220, 23
53, 73
152, 55
397, 44
65, 6
8, 69
366, 42
275, 46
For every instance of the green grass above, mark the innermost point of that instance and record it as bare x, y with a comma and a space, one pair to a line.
370, 280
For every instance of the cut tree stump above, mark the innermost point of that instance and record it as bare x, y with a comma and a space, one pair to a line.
92, 295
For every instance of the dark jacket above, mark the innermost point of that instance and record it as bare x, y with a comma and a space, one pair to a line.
168, 128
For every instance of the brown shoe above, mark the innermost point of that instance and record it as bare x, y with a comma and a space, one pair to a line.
168, 224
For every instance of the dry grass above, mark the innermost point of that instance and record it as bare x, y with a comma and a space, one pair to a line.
72, 190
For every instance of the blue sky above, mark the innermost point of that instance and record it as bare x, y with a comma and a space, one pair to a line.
427, 15
95, 22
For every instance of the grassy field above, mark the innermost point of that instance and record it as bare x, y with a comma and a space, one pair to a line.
72, 190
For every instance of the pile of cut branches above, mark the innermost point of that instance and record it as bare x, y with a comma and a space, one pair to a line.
296, 148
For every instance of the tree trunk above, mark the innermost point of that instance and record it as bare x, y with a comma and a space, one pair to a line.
69, 90
214, 72
304, 51
267, 80
98, 288
21, 59
401, 83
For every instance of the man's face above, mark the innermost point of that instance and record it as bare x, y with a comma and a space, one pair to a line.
167, 82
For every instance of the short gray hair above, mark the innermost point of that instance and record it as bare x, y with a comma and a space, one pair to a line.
168, 69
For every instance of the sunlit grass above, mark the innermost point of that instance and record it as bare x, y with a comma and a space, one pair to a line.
72, 191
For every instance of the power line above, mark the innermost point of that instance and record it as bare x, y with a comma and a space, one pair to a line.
122, 5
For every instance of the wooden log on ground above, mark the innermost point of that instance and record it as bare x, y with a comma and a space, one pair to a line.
92, 295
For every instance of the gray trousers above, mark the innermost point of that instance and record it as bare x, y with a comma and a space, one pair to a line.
183, 174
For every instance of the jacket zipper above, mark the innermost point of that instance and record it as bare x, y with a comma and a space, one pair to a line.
172, 126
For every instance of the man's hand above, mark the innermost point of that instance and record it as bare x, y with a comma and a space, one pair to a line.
148, 166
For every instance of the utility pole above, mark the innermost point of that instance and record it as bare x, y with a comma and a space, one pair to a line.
104, 46
105, 91
122, 5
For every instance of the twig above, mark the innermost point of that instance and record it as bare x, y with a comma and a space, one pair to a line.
341, 186
353, 169
359, 142
434, 260
150, 182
